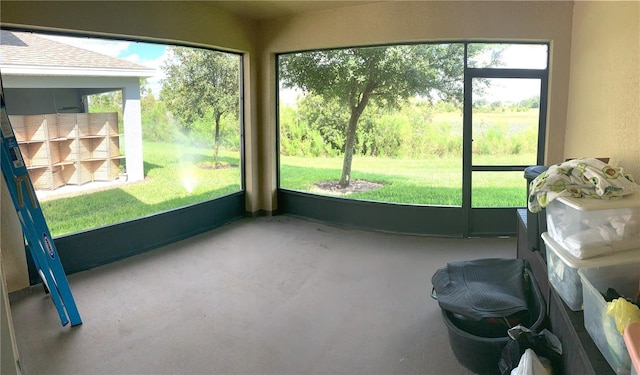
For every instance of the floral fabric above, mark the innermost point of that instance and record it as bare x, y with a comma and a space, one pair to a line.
579, 178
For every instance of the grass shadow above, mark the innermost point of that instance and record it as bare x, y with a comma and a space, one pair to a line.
149, 167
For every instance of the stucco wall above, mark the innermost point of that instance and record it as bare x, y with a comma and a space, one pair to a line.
596, 107
13, 276
603, 114
384, 22
394, 22
12, 252
8, 346
197, 23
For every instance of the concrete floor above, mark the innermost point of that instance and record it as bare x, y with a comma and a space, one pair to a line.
276, 295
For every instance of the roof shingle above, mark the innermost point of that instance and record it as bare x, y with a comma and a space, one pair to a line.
28, 49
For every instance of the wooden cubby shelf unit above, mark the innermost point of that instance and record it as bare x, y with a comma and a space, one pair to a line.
69, 148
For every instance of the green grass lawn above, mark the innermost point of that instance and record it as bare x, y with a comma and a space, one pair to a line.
173, 179
425, 182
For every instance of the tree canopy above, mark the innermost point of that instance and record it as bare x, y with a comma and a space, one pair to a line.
201, 83
385, 75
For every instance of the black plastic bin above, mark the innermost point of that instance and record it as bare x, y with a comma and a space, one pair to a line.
536, 222
482, 354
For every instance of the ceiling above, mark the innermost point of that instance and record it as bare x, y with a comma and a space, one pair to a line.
265, 9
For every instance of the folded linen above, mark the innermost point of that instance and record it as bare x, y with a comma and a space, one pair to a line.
579, 178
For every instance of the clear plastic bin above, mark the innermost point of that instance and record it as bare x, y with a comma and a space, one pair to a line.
589, 227
562, 269
624, 278
632, 339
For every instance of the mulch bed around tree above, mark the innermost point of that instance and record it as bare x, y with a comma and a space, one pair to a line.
356, 186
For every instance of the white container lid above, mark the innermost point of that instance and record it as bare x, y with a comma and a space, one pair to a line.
588, 204
620, 257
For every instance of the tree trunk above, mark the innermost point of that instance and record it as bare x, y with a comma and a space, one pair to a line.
345, 179
216, 144
356, 111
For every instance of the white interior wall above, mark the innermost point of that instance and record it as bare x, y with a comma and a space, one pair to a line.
609, 26
8, 347
603, 113
417, 21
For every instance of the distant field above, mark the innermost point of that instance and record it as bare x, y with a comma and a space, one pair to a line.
173, 179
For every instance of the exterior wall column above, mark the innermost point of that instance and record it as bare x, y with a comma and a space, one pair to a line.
132, 120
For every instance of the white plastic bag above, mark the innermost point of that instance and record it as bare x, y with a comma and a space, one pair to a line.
530, 365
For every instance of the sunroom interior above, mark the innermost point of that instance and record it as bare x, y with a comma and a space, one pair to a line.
592, 97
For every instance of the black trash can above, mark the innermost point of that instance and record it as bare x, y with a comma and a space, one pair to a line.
480, 352
536, 222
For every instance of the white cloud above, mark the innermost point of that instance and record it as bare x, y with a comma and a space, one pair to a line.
526, 56
155, 82
511, 90
103, 46
114, 48
520, 56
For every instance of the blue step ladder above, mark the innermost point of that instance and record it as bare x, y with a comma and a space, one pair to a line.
36, 232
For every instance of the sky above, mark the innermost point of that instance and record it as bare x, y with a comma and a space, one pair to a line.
154, 55
515, 90
147, 54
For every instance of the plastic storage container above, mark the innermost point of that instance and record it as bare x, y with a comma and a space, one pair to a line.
562, 269
632, 339
624, 278
536, 222
482, 354
589, 227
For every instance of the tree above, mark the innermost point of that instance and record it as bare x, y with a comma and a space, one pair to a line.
325, 116
106, 102
532, 102
356, 77
200, 82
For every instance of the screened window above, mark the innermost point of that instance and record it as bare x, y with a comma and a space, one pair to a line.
115, 130
386, 123
508, 56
